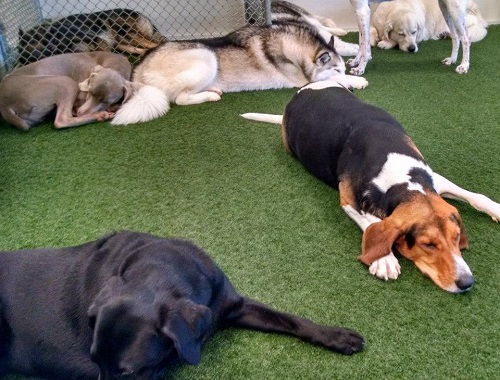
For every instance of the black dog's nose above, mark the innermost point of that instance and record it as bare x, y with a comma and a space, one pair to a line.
412, 48
465, 282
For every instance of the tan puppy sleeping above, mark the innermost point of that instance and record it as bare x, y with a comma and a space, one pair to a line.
405, 23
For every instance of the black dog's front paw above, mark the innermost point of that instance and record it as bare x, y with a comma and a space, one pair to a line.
345, 341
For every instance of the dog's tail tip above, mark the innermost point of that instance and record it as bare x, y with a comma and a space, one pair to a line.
264, 117
146, 104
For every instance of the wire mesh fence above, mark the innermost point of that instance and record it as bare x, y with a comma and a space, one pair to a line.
34, 29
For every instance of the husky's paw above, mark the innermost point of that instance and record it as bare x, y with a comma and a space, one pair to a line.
346, 49
357, 82
386, 268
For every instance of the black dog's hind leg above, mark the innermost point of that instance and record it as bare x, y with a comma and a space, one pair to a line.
254, 315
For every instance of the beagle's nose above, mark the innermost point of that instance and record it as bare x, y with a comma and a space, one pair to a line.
465, 282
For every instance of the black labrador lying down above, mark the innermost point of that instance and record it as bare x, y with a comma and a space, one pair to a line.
127, 306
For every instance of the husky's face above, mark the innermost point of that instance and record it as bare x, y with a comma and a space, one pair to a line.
328, 64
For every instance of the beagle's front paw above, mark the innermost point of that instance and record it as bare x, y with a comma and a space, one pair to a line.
386, 268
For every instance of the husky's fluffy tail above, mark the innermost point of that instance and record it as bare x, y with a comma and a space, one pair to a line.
147, 103
265, 117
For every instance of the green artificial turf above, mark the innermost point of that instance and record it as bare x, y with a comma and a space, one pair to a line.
202, 172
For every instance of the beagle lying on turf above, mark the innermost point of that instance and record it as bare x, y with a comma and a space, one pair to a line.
385, 185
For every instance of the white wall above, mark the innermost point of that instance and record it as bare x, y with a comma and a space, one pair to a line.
342, 12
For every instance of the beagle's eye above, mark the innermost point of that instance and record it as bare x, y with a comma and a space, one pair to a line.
429, 245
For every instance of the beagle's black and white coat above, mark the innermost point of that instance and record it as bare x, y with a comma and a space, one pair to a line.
384, 183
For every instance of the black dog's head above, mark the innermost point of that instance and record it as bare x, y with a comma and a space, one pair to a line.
136, 336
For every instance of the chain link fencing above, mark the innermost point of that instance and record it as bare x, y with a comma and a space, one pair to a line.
34, 29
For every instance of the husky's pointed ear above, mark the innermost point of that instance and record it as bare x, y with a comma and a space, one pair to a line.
323, 58
20, 33
331, 43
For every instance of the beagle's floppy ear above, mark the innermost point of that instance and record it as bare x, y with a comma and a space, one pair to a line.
187, 325
378, 239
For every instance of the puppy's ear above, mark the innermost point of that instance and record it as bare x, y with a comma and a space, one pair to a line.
188, 324
388, 29
84, 86
97, 68
323, 58
129, 90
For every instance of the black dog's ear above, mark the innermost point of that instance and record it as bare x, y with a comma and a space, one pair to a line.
187, 325
110, 290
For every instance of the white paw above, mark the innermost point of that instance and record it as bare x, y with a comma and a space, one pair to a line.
386, 268
346, 49
448, 61
462, 69
385, 44
358, 82
486, 205
212, 96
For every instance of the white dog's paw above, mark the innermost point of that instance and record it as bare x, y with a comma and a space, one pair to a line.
448, 61
384, 44
386, 268
462, 69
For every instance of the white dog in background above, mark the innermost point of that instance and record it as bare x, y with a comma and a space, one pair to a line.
405, 23
454, 15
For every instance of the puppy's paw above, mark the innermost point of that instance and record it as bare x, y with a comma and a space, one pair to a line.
215, 90
105, 115
384, 44
386, 268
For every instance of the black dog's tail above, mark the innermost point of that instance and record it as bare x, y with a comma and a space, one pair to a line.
254, 315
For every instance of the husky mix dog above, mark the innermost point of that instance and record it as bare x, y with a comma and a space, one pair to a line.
283, 55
